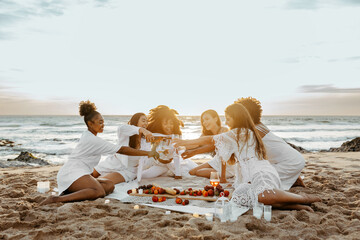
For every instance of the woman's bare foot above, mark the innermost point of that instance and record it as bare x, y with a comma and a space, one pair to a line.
299, 183
296, 207
193, 171
49, 200
223, 180
310, 199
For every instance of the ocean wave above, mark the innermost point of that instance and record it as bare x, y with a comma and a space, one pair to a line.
318, 139
10, 126
289, 130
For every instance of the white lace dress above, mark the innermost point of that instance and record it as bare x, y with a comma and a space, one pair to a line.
252, 176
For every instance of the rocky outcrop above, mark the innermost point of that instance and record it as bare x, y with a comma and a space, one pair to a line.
6, 143
24, 159
349, 146
299, 149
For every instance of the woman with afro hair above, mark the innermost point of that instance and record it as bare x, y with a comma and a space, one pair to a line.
164, 120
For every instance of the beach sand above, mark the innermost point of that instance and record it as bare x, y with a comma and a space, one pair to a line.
335, 177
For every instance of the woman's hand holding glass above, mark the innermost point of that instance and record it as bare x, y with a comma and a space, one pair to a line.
147, 134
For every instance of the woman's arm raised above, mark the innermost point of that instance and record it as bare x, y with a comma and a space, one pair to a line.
200, 141
135, 152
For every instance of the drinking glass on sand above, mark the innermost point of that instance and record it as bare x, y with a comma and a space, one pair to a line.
267, 213
258, 210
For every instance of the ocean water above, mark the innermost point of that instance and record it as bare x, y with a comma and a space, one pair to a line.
53, 137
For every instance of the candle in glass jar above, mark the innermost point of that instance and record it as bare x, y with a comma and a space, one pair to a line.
196, 215
133, 190
136, 207
209, 216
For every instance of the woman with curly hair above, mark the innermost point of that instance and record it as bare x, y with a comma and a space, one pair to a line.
287, 161
258, 180
74, 179
164, 120
119, 167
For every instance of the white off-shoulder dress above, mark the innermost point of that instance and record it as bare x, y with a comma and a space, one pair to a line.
127, 166
252, 176
84, 157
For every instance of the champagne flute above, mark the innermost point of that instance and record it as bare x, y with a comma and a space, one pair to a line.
214, 179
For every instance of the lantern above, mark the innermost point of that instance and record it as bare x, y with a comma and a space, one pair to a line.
222, 208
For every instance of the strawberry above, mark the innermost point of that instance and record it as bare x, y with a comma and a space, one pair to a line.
178, 200
211, 192
155, 198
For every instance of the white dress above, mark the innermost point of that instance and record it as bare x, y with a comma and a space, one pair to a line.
84, 157
179, 166
123, 164
287, 161
252, 176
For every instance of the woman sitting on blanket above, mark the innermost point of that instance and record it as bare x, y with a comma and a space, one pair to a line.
211, 125
74, 179
258, 181
164, 120
121, 168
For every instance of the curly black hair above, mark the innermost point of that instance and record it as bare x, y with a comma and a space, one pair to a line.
253, 106
163, 112
87, 110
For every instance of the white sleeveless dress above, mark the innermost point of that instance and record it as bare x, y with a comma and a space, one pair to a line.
252, 176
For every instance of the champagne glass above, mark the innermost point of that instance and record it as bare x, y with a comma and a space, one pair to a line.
214, 179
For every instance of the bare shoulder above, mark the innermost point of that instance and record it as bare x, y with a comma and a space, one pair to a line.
224, 129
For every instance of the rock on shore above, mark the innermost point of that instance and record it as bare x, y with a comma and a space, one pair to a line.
299, 149
24, 159
349, 146
6, 143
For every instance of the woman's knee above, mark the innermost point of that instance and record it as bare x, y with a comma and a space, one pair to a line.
100, 193
108, 186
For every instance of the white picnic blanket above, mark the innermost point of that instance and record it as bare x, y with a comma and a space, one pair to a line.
198, 206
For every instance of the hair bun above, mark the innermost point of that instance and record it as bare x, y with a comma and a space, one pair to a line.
86, 107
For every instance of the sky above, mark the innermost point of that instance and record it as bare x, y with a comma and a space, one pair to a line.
299, 57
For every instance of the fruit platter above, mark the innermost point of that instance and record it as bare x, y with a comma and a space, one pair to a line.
160, 194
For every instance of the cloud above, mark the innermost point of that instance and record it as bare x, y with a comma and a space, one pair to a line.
326, 89
13, 103
330, 104
348, 59
16, 11
316, 4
